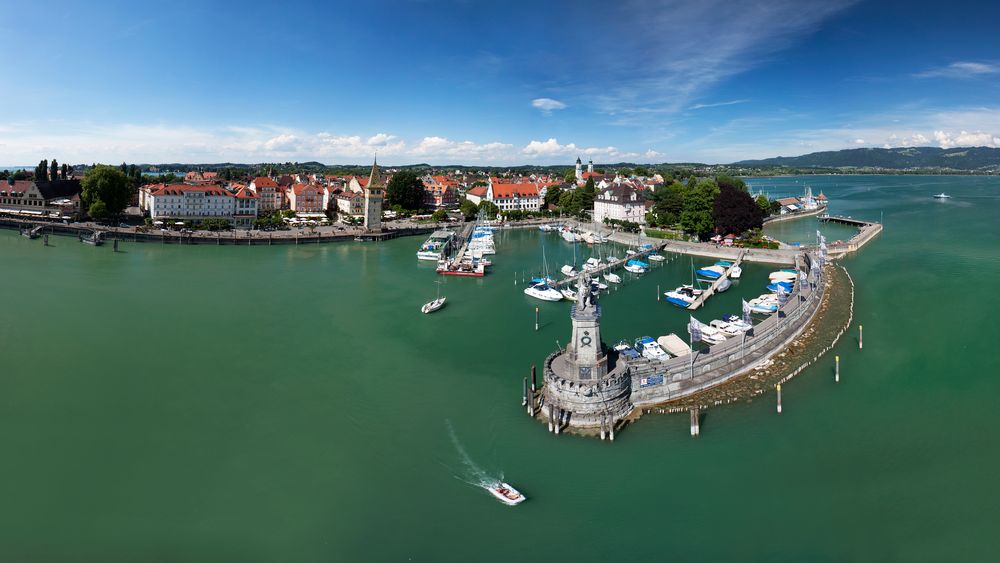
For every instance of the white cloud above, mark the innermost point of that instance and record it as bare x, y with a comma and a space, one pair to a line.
966, 139
551, 147
961, 69
462, 150
718, 104
859, 141
547, 104
651, 154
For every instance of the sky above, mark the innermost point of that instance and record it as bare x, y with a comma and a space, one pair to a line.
492, 82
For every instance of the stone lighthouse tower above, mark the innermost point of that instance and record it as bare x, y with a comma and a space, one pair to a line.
374, 193
582, 388
579, 169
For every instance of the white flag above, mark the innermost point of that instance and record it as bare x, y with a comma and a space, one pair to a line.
695, 329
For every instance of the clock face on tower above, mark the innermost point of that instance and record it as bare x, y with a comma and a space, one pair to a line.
585, 340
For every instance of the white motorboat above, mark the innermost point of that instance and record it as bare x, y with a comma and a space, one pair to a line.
711, 335
635, 269
569, 236
656, 257
942, 195
735, 272
568, 271
612, 277
650, 349
592, 264
682, 300
782, 276
544, 292
433, 305
727, 328
568, 293
505, 493
738, 323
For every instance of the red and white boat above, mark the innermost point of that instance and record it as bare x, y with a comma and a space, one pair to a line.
452, 268
505, 493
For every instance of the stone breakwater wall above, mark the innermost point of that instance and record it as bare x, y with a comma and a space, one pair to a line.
655, 382
796, 215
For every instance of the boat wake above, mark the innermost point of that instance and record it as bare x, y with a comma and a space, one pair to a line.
469, 471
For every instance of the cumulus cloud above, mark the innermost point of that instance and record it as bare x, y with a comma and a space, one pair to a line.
859, 141
547, 104
966, 139
551, 147
462, 150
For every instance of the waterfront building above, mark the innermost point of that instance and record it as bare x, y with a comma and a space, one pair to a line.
620, 202
245, 210
269, 196
357, 184
513, 197
350, 203
374, 193
26, 197
184, 202
440, 191
307, 198
476, 195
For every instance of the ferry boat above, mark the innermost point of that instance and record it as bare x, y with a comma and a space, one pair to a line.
505, 493
434, 247
543, 291
465, 268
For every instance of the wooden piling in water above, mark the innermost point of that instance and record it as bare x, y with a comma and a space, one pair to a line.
836, 369
695, 429
46, 240
534, 385
861, 337
536, 319
115, 245
524, 393
779, 398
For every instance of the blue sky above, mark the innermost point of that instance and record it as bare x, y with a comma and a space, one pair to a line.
482, 82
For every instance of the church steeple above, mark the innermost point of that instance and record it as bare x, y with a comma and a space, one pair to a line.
376, 176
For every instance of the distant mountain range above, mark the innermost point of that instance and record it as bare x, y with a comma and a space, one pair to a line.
961, 158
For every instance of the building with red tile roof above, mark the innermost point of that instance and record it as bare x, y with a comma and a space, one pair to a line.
270, 196
186, 202
306, 198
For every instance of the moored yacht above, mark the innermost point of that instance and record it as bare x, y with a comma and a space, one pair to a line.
612, 277
543, 291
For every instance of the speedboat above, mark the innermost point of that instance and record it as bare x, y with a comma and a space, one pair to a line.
735, 272
544, 292
650, 349
568, 271
656, 257
612, 277
724, 284
942, 195
505, 493
433, 305
737, 323
568, 293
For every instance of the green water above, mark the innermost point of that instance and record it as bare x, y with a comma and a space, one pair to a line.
292, 404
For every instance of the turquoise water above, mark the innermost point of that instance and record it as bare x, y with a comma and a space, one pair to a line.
293, 404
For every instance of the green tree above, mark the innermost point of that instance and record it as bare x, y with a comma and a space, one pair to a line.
106, 185
566, 200
42, 171
668, 203
65, 171
552, 195
583, 197
406, 190
724, 181
697, 215
439, 215
97, 210
764, 204
468, 209
641, 171
54, 171
489, 209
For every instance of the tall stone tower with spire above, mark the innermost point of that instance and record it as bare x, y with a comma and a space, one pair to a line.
579, 169
590, 166
374, 194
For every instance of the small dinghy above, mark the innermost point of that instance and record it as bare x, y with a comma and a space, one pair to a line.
433, 305
505, 493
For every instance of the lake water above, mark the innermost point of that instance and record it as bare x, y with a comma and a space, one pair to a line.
292, 404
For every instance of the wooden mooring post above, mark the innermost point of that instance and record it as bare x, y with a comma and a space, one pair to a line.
779, 398
524, 393
861, 337
836, 369
695, 428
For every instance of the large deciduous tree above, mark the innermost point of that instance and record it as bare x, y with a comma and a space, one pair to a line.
696, 216
468, 209
735, 211
406, 190
489, 209
107, 185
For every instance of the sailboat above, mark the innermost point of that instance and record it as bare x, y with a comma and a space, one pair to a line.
540, 288
436, 304
570, 271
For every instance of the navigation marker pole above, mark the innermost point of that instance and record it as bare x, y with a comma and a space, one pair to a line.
861, 337
524, 393
779, 398
836, 373
536, 319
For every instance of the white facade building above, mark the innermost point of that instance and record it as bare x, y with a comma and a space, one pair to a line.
622, 203
190, 203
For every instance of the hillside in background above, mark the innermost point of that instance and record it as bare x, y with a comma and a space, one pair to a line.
980, 159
